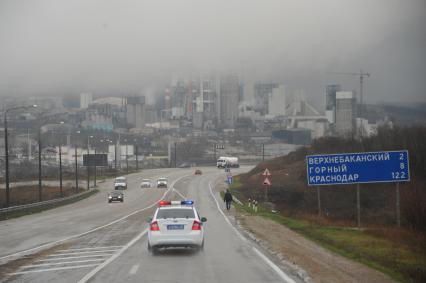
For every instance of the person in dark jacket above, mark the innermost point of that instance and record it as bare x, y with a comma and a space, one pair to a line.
228, 199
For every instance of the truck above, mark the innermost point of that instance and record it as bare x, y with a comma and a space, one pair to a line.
227, 162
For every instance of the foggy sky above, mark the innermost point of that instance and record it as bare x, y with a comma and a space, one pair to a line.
60, 47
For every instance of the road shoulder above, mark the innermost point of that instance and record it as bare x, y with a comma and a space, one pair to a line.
320, 264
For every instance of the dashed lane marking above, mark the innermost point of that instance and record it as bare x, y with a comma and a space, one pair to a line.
92, 273
92, 230
82, 253
134, 269
61, 263
72, 257
54, 269
92, 248
272, 265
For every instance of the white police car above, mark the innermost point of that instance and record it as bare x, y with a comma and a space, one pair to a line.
176, 224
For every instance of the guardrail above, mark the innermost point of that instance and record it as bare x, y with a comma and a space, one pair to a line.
42, 203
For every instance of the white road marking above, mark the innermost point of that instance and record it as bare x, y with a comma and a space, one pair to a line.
92, 230
181, 195
92, 273
274, 266
134, 269
60, 263
259, 253
92, 248
87, 252
72, 257
226, 218
53, 269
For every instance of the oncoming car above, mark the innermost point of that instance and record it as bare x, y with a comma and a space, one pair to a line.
176, 224
198, 172
115, 196
162, 182
120, 183
146, 183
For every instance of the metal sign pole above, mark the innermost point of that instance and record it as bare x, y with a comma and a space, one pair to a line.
266, 193
358, 206
319, 200
398, 209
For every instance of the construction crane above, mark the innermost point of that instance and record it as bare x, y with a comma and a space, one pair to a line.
361, 75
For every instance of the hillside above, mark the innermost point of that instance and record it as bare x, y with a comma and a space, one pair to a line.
290, 195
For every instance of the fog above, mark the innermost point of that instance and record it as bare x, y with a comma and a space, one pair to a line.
110, 47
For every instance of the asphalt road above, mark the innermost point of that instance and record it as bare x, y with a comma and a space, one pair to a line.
93, 241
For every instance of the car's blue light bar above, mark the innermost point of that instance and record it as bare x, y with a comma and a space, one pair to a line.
187, 202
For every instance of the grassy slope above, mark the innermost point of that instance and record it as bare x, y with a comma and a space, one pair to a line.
403, 262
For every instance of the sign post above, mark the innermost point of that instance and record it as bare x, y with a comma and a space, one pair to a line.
398, 209
266, 183
359, 168
319, 200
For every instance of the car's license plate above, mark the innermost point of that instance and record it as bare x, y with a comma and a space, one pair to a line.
175, 227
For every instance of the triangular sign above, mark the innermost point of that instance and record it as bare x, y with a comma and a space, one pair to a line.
266, 182
266, 173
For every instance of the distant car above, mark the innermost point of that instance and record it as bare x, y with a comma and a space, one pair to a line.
120, 183
176, 224
198, 172
146, 183
162, 183
115, 196
184, 165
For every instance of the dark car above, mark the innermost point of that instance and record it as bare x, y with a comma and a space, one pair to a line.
115, 196
198, 172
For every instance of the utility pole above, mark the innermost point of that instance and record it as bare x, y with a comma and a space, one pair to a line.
39, 164
6, 150
95, 169
263, 152
76, 168
60, 170
175, 153
6, 153
214, 149
127, 160
87, 165
137, 162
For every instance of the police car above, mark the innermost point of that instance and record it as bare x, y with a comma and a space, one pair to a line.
176, 224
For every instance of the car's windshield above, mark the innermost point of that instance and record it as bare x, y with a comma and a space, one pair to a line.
175, 213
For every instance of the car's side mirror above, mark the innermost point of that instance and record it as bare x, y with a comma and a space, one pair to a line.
203, 219
149, 219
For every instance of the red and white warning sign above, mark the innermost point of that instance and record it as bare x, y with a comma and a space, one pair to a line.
266, 182
266, 173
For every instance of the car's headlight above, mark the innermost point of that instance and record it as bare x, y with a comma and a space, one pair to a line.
109, 196
119, 196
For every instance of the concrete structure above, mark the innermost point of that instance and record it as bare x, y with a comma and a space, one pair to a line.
330, 102
135, 111
345, 113
277, 101
229, 99
85, 99
262, 92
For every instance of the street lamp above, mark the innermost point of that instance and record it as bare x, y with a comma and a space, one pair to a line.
127, 158
88, 167
136, 154
60, 164
76, 165
6, 149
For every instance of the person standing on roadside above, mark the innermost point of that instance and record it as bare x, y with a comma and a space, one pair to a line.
228, 199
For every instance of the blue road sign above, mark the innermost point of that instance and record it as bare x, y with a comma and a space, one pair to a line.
229, 180
354, 168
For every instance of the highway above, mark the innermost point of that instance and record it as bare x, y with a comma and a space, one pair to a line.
93, 241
